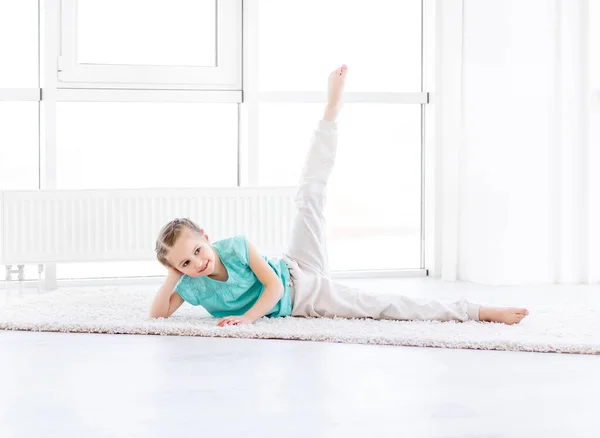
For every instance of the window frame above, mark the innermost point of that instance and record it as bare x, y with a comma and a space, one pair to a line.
246, 93
226, 75
253, 97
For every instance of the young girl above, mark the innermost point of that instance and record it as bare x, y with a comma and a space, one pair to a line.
232, 281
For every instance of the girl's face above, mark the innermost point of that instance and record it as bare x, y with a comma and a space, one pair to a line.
192, 255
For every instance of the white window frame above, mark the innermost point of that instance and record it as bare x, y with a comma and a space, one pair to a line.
54, 89
250, 165
226, 75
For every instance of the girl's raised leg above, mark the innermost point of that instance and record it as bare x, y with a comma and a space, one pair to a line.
308, 244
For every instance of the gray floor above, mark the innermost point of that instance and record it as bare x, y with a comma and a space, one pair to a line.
90, 385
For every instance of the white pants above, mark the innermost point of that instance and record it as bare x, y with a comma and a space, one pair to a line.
313, 291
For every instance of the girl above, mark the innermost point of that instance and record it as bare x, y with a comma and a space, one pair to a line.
232, 281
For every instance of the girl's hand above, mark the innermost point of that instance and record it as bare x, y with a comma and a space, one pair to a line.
173, 272
235, 320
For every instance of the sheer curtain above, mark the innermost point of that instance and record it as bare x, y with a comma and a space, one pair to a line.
517, 190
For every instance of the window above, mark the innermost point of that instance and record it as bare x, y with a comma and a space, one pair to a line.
19, 165
374, 193
374, 198
299, 42
19, 109
19, 26
153, 103
19, 120
102, 145
190, 43
184, 33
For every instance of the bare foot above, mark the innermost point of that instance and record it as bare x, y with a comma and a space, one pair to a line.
335, 90
507, 315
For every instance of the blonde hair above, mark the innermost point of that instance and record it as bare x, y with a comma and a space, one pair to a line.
169, 234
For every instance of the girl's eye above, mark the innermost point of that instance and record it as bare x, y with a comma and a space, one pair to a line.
195, 252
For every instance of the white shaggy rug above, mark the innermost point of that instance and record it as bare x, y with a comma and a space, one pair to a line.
113, 310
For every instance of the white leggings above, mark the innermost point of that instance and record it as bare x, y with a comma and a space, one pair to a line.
313, 291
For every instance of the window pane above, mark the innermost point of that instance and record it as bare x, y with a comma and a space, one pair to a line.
102, 145
19, 146
109, 270
300, 42
374, 195
18, 44
147, 32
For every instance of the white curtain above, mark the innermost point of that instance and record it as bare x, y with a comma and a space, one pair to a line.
517, 178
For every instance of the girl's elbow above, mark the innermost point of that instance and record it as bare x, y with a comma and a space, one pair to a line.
155, 314
274, 290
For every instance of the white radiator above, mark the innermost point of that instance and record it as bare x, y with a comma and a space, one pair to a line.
47, 226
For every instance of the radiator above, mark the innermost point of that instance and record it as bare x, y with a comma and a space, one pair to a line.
49, 226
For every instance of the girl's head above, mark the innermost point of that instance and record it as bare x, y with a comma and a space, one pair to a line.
184, 246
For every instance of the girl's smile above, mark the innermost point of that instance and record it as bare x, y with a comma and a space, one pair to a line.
204, 267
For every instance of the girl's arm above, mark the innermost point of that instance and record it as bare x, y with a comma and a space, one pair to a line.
167, 300
271, 295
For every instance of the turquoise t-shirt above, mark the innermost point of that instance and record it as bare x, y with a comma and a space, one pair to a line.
241, 290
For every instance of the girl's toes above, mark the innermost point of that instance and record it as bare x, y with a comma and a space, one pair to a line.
340, 71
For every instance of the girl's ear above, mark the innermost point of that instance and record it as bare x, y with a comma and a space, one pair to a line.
205, 235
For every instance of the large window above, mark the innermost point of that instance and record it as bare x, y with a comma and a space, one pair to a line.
159, 100
374, 202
